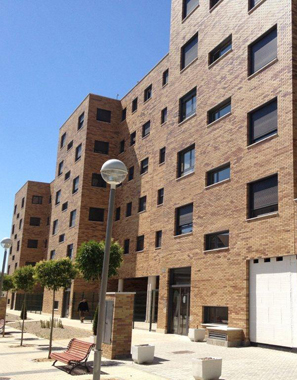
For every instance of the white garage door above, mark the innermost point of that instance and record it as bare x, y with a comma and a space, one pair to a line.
273, 301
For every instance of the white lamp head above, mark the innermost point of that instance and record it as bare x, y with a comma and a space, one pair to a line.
6, 243
114, 172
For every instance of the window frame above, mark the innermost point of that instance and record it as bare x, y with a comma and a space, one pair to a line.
60, 168
227, 42
140, 240
72, 218
134, 104
158, 239
211, 114
273, 208
39, 199
179, 227
142, 204
78, 152
105, 115
96, 214
162, 155
128, 209
189, 96
63, 140
148, 93
131, 173
146, 129
124, 114
96, 177
183, 63
36, 219
80, 121
164, 115
185, 12
165, 77
126, 246
144, 168
208, 243
101, 147
180, 161
211, 180
75, 185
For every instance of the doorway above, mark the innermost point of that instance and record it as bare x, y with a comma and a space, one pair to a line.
66, 303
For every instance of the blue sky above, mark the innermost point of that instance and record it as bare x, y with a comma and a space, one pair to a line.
53, 53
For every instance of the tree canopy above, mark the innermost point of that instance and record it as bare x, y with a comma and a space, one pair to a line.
23, 279
7, 283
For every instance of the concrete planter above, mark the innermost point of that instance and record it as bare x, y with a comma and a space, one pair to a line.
207, 368
143, 353
197, 335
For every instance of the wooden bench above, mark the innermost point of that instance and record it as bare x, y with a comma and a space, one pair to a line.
77, 353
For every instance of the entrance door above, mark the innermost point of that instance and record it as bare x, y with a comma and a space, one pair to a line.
180, 310
66, 302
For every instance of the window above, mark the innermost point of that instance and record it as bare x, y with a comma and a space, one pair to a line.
124, 114
134, 105
126, 246
189, 6
64, 206
70, 251
140, 243
34, 221
81, 120
10, 250
75, 184
45, 243
189, 52
132, 138
67, 175
48, 221
212, 3
8, 270
118, 213
32, 263
253, 3
101, 147
55, 226
70, 145
220, 50
217, 240
187, 105
20, 224
165, 77
122, 146
15, 265
58, 197
263, 122
62, 238
218, 175
142, 204
23, 202
37, 200
15, 236
63, 140
103, 115
60, 168
144, 166
148, 93
50, 199
158, 241
186, 161
263, 51
219, 111
96, 214
18, 246
32, 243
215, 314
164, 115
263, 196
131, 173
146, 128
52, 254
56, 305
18, 215
72, 218
97, 180
162, 155
129, 209
15, 209
184, 219
78, 152
12, 230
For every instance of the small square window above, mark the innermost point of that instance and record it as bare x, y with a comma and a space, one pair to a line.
140, 243
142, 204
146, 129
129, 209
75, 185
124, 114
218, 175
189, 51
144, 166
189, 6
55, 227
220, 50
62, 238
184, 219
217, 240
78, 152
126, 246
132, 138
187, 105
118, 213
134, 105
131, 173
162, 155
219, 111
34, 221
81, 120
72, 218
122, 146
65, 206
60, 168
96, 214
103, 115
165, 77
63, 140
98, 181
101, 147
70, 145
186, 161
158, 241
164, 116
36, 199
67, 175
32, 243
58, 197
148, 93
263, 196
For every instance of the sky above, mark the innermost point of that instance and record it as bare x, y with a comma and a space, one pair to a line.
52, 54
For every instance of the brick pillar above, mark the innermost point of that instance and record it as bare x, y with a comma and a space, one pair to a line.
2, 307
163, 302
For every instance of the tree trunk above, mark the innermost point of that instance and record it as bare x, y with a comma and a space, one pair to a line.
23, 307
52, 327
3, 333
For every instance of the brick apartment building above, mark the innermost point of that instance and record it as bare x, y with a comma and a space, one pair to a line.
206, 215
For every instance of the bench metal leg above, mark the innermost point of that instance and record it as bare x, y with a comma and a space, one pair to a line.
54, 363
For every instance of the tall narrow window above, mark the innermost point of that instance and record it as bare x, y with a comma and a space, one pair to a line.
148, 92
118, 213
124, 114
70, 251
140, 243
158, 241
61, 238
75, 185
72, 218
122, 146
263, 196
20, 224
253, 3
134, 105
160, 199
142, 204
55, 226
64, 206
129, 209
81, 120
58, 197
219, 111
164, 115
218, 175
97, 180
189, 6
103, 115
132, 138
189, 51
263, 122
186, 161
126, 246
23, 202
131, 173
67, 175
144, 166
70, 145
220, 50
184, 219
146, 129
165, 77
63, 140
60, 168
15, 207
52, 254
96, 214
217, 240
78, 152
101, 147
162, 155
187, 105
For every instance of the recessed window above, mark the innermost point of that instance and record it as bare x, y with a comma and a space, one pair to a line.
146, 129
122, 146
186, 161
217, 240
187, 105
263, 51
253, 3
118, 213
12, 230
15, 236
61, 238
81, 120
63, 140
144, 166
189, 6
15, 265
184, 219
96, 214
52, 254
263, 122
124, 114
65, 206
212, 3
34, 221
162, 155
158, 240
134, 105
263, 196
23, 202
140, 243
219, 111
48, 221
142, 204
218, 175
58, 197
70, 251
67, 175
101, 147
18, 215
72, 218
37, 200
103, 115
20, 224
50, 199
131, 173
132, 138
78, 152
126, 246
55, 226
70, 145
129, 209
15, 209
267, 260
220, 50
216, 314
98, 181
18, 246
189, 52
164, 115
148, 93
32, 243
60, 168
75, 185
165, 77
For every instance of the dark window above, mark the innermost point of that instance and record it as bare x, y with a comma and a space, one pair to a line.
37, 200
165, 77
144, 166
220, 50
96, 214
217, 240
146, 129
263, 122
101, 147
263, 51
63, 140
148, 93
65, 206
48, 221
219, 174
81, 120
263, 196
184, 219
50, 199
12, 230
58, 197
212, 3
20, 224
134, 105
23, 202
70, 251
62, 238
189, 6
75, 185
103, 115
56, 305
15, 208
60, 168
253, 3
52, 254
164, 115
45, 243
132, 138
126, 246
124, 114
129, 209
189, 51
118, 213
219, 111
122, 146
187, 105
142, 204
215, 314
34, 221
15, 236
78, 152
32, 243
158, 242
18, 246
70, 145
32, 263
186, 161
10, 250
140, 243
55, 226
72, 218
18, 215
16, 265
8, 270
67, 175
98, 181
131, 173
162, 155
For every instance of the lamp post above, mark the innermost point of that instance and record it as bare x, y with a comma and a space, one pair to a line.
113, 172
6, 243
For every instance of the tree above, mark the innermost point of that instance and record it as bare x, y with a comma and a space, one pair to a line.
89, 261
53, 275
7, 286
23, 279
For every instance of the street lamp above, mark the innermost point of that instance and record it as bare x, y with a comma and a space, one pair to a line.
113, 172
6, 243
